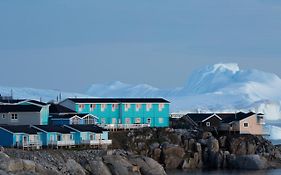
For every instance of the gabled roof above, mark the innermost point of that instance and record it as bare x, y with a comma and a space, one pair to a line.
68, 116
57, 109
11, 101
199, 117
20, 129
49, 128
118, 100
236, 117
87, 128
37, 102
19, 108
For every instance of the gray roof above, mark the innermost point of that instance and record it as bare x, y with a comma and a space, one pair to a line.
119, 100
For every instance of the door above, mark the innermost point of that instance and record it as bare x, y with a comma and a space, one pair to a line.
25, 140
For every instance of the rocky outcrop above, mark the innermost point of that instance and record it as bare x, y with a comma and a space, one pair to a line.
193, 149
74, 162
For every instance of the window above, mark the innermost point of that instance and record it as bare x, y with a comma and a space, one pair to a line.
127, 120
137, 121
138, 107
161, 106
148, 121
14, 116
148, 106
75, 121
246, 125
89, 120
103, 106
3, 116
81, 107
114, 121
102, 120
127, 107
208, 124
160, 120
114, 107
92, 107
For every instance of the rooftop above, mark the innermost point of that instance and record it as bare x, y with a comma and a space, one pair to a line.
20, 129
59, 129
118, 100
19, 108
87, 128
57, 108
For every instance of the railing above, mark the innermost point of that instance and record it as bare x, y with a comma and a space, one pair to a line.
96, 142
106, 142
30, 144
124, 126
63, 143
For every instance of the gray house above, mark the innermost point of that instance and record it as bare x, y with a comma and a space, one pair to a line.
23, 114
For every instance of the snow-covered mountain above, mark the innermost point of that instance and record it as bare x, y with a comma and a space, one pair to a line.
213, 88
219, 87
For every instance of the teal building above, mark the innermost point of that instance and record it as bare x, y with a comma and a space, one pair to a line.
153, 112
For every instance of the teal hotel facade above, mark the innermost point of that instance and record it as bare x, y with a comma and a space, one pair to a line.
152, 112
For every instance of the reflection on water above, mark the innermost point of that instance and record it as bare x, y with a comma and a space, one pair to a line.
225, 172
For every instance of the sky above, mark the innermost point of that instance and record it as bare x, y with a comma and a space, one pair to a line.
71, 44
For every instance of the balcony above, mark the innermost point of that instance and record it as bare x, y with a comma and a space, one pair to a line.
90, 142
63, 143
96, 142
30, 144
106, 142
124, 126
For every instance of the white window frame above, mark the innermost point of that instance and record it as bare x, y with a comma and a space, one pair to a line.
161, 120
103, 107
161, 106
81, 107
138, 120
128, 120
208, 124
148, 106
14, 117
148, 120
127, 106
138, 107
114, 121
246, 126
92, 107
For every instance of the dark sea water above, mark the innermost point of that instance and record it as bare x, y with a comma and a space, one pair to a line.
226, 172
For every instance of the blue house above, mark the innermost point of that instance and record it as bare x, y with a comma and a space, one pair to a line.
21, 136
56, 136
72, 119
123, 112
92, 135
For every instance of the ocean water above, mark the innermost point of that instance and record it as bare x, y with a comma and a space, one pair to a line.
225, 172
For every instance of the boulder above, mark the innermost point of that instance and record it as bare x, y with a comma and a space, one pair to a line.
206, 135
173, 157
213, 144
120, 165
147, 165
28, 165
248, 162
3, 156
12, 165
74, 168
97, 167
156, 154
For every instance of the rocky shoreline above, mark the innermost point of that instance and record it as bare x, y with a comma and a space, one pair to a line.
193, 149
149, 151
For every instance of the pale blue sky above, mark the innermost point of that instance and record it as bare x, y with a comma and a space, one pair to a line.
70, 44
